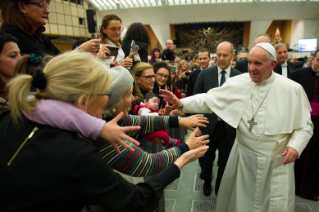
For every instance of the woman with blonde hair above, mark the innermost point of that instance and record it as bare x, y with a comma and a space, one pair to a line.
144, 79
44, 160
110, 35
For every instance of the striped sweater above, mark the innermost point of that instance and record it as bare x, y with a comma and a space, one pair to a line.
140, 163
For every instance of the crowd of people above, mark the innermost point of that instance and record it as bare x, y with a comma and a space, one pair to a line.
71, 123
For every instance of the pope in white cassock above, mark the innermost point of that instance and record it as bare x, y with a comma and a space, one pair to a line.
272, 116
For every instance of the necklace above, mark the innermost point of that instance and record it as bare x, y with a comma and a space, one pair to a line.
252, 122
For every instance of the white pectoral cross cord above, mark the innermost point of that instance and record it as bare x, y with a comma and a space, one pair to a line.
251, 123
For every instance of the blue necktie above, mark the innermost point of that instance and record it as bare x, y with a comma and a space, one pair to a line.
223, 79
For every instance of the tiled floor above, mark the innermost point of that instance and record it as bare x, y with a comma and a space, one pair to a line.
185, 194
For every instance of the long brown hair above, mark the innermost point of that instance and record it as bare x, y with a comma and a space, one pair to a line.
10, 15
105, 22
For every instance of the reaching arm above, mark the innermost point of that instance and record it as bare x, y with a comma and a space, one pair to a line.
66, 116
138, 163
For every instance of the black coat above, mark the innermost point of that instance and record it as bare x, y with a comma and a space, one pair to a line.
142, 51
290, 68
28, 45
57, 170
191, 81
208, 79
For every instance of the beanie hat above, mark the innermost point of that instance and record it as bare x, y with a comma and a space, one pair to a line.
122, 81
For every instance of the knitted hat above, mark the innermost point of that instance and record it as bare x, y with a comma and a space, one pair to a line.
122, 81
269, 48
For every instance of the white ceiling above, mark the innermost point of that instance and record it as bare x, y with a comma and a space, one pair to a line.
128, 4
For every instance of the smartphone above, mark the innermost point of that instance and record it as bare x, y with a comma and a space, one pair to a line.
113, 51
173, 69
133, 46
98, 31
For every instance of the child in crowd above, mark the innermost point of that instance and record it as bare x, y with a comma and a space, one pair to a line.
150, 108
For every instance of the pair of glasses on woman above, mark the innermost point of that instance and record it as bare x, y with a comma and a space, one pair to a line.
150, 77
114, 29
43, 6
163, 76
106, 94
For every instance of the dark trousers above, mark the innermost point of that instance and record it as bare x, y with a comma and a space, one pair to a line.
218, 141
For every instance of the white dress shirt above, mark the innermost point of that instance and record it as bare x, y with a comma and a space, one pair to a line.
227, 74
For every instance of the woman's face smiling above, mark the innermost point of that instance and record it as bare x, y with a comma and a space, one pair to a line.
126, 105
162, 75
144, 81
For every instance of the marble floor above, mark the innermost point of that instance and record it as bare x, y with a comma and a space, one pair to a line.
185, 193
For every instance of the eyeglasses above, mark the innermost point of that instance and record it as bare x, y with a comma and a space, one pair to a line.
150, 77
163, 76
40, 4
106, 94
114, 29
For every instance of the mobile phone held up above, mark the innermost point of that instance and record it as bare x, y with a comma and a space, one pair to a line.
173, 69
133, 46
113, 51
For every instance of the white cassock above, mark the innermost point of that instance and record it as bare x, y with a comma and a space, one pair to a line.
255, 178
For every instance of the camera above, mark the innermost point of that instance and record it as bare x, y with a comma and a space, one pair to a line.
184, 51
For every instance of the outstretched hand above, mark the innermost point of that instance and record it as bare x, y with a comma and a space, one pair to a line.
170, 97
191, 122
191, 156
290, 155
115, 134
168, 109
196, 139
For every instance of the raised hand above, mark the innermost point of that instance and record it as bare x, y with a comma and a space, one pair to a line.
170, 97
168, 109
196, 140
115, 134
191, 122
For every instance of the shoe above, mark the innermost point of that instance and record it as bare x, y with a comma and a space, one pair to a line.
207, 188
315, 198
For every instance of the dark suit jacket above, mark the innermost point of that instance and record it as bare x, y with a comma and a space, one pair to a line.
142, 51
290, 68
242, 66
207, 79
191, 81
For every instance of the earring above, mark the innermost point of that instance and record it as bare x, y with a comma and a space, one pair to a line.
113, 110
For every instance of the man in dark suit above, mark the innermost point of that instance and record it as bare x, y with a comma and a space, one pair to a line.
221, 135
282, 57
307, 166
242, 65
203, 61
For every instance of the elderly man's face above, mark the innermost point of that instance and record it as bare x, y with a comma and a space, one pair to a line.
224, 55
242, 56
282, 54
259, 66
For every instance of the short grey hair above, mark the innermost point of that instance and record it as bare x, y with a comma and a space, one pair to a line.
266, 35
279, 45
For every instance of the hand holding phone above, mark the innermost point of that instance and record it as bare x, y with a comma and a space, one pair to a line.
133, 46
113, 51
